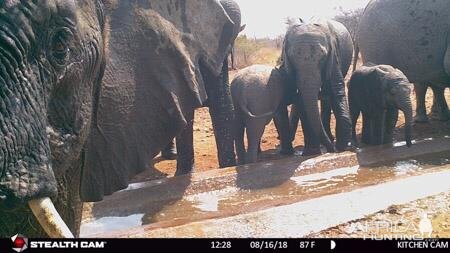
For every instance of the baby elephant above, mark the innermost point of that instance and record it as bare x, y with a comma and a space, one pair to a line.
257, 93
379, 91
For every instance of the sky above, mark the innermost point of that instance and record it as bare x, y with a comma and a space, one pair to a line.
266, 18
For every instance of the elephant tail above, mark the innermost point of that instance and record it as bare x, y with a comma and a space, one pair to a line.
244, 107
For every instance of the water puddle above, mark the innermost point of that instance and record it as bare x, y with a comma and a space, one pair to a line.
105, 224
336, 194
209, 201
337, 175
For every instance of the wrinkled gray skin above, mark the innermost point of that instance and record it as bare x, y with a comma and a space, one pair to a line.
70, 134
257, 93
413, 37
316, 57
378, 92
51, 55
220, 108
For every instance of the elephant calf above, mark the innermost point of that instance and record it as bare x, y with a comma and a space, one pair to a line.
379, 91
257, 93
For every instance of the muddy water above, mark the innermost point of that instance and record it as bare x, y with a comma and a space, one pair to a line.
155, 207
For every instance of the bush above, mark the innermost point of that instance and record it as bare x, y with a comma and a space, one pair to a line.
256, 51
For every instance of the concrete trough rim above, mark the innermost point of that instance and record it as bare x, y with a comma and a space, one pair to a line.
363, 157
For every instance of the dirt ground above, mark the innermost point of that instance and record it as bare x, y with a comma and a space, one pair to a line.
205, 147
398, 220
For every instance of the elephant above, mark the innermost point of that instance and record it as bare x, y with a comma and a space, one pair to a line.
220, 108
257, 93
315, 57
413, 37
90, 92
378, 92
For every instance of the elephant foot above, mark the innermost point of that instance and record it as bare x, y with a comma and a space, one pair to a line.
420, 118
239, 163
311, 151
441, 116
287, 151
330, 149
345, 147
184, 170
169, 153
408, 143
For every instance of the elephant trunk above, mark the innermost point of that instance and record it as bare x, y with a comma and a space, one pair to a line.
50, 220
406, 107
221, 109
310, 115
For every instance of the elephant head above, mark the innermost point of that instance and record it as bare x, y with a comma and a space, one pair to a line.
151, 85
51, 61
98, 87
311, 58
397, 91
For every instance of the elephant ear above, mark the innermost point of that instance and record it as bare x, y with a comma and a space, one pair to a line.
151, 85
285, 65
333, 74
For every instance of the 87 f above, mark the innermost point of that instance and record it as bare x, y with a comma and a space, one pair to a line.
307, 244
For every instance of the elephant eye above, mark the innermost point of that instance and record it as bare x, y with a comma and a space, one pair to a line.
60, 45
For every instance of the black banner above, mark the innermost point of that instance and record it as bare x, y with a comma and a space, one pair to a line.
22, 244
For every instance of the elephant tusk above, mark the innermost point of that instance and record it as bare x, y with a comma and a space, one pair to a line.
50, 220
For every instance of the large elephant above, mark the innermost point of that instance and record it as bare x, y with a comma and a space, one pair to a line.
378, 92
220, 108
91, 91
316, 57
413, 37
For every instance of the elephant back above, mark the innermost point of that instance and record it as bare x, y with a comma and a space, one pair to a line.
409, 35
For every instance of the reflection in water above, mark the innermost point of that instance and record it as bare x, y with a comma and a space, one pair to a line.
403, 143
106, 224
324, 177
406, 167
209, 201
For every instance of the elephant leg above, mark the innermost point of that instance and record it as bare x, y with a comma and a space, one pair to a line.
169, 152
439, 104
378, 123
421, 112
326, 116
239, 141
354, 114
255, 130
343, 122
281, 121
366, 129
185, 149
391, 121
294, 118
221, 110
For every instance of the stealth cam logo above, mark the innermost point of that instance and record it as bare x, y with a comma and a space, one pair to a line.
20, 243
